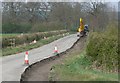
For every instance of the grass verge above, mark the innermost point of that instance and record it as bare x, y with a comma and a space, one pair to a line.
78, 68
22, 48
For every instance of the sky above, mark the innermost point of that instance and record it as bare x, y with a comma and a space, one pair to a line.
58, 0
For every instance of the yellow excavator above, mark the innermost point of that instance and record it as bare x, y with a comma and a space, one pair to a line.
82, 29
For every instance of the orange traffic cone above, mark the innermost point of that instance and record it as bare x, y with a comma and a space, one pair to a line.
26, 58
55, 50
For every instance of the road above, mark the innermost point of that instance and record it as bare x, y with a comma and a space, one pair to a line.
13, 65
42, 71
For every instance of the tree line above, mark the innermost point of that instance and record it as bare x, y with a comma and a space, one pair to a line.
21, 17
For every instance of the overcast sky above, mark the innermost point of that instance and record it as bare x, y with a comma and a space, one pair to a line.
58, 0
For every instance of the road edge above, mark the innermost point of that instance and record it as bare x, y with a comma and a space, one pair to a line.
46, 59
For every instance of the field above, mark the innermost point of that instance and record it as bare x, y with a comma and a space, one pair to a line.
9, 35
27, 46
78, 69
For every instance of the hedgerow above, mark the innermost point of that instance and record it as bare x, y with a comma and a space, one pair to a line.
103, 49
28, 38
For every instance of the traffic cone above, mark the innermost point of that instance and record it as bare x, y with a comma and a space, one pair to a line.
55, 50
26, 58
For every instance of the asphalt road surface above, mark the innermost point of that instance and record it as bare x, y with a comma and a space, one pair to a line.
13, 65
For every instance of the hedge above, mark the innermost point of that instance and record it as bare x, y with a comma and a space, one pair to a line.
103, 48
27, 38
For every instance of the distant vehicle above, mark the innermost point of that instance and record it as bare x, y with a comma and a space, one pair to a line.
86, 30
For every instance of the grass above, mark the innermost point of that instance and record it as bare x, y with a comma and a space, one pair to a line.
15, 39
9, 35
78, 68
22, 48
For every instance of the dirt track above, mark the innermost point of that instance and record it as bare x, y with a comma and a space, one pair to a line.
40, 71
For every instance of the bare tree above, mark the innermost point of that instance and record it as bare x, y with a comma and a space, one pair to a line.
98, 14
